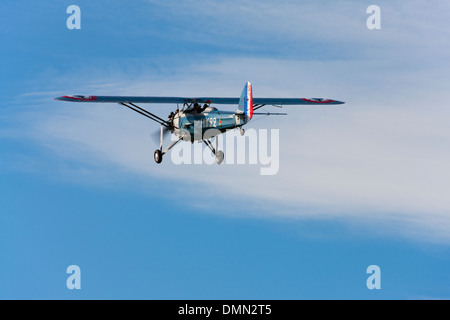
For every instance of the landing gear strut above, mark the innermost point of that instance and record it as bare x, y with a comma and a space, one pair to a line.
158, 155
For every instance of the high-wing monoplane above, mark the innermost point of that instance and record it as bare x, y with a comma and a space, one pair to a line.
197, 119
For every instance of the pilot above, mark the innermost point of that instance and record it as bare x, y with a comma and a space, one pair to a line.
197, 108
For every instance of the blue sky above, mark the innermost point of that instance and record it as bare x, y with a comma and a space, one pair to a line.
359, 185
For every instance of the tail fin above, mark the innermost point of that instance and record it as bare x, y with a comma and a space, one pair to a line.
246, 102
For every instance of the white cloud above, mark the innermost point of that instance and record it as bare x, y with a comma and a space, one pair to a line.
367, 158
299, 28
382, 157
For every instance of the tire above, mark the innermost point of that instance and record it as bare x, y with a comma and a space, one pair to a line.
158, 156
219, 156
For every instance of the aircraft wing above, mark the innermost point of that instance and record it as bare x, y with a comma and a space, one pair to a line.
212, 100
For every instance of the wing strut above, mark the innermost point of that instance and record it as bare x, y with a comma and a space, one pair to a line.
145, 113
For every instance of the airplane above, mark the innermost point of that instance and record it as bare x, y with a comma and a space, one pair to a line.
197, 117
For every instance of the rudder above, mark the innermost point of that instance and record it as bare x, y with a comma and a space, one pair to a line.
246, 102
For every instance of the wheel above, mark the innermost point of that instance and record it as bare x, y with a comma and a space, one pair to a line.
219, 157
241, 131
158, 156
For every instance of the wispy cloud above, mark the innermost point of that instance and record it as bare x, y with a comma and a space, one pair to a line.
382, 158
381, 161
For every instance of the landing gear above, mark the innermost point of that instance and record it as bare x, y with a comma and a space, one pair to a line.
218, 154
158, 155
241, 131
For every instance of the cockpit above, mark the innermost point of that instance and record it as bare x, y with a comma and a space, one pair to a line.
195, 108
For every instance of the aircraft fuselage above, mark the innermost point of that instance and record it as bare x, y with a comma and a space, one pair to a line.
192, 125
